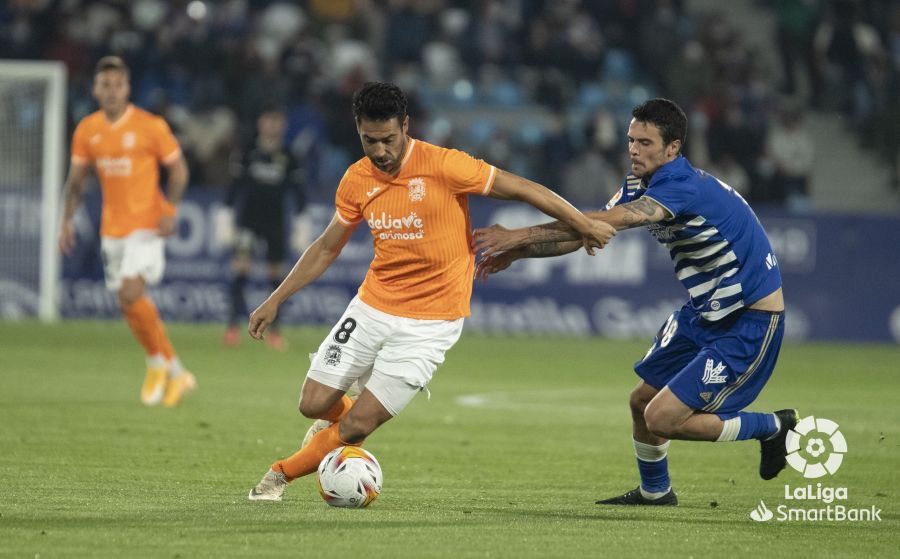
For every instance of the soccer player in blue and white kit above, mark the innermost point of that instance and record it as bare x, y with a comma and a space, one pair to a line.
713, 356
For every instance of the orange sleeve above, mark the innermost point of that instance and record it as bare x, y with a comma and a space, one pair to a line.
81, 153
166, 146
349, 210
467, 175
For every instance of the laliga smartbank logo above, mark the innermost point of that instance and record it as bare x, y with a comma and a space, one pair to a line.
815, 448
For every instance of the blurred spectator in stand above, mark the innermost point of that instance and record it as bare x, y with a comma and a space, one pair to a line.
590, 179
797, 21
209, 66
850, 53
410, 23
566, 38
689, 77
729, 171
737, 133
661, 32
210, 135
887, 131
791, 150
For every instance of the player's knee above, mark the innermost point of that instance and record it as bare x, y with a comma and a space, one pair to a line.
659, 423
129, 294
638, 402
311, 408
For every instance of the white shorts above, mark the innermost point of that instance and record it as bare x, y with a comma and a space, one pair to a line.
394, 357
142, 253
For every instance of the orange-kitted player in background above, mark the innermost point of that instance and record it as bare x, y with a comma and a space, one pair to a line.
125, 146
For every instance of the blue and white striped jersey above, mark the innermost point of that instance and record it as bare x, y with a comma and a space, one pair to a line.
721, 253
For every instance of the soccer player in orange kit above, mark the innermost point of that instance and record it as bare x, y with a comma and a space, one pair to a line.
409, 309
125, 146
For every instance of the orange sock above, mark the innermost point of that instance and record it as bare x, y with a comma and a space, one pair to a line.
338, 410
306, 460
142, 318
165, 345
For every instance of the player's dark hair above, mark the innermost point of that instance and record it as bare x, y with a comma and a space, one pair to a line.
110, 63
665, 115
379, 101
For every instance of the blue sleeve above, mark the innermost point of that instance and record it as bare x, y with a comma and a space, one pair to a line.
675, 193
624, 194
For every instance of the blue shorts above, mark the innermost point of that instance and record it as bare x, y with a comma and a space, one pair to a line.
716, 367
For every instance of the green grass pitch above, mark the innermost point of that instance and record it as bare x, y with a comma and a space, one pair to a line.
520, 436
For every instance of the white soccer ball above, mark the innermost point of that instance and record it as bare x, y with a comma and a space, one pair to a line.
349, 477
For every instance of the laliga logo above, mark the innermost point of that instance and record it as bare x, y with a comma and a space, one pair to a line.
814, 460
815, 447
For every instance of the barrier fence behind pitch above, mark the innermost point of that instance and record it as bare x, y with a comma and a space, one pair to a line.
839, 277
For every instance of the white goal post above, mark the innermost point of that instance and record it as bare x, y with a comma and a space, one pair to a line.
32, 118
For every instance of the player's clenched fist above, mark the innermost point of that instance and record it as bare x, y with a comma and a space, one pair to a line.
597, 235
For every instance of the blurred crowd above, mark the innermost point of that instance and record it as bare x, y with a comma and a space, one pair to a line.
541, 87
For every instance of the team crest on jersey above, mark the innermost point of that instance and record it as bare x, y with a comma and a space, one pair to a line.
715, 305
333, 355
706, 396
416, 188
128, 140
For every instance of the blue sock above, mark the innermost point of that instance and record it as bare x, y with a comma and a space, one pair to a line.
756, 425
654, 475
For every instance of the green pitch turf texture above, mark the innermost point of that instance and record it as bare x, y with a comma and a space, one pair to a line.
87, 471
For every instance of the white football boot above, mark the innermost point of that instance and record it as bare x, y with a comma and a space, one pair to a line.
269, 488
318, 425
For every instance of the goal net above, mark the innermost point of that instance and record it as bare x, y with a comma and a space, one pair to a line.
32, 129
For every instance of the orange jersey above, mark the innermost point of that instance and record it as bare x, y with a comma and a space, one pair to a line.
423, 266
126, 155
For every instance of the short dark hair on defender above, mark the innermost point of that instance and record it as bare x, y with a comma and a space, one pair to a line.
665, 115
379, 101
110, 63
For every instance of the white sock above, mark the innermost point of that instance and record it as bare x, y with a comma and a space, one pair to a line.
730, 430
156, 361
653, 496
175, 367
649, 452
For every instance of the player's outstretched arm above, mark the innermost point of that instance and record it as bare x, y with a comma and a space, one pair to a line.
74, 194
499, 261
508, 186
312, 264
642, 211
